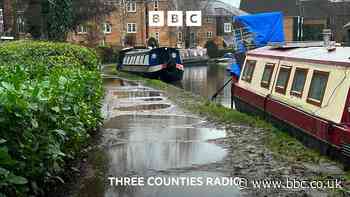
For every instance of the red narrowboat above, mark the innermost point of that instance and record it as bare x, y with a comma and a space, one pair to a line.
304, 89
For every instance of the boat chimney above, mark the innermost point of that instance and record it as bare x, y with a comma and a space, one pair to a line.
327, 40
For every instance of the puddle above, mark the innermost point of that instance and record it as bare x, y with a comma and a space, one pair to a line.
156, 145
146, 121
116, 82
151, 143
136, 93
143, 107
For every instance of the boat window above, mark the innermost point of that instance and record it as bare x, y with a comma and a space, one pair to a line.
267, 75
282, 80
248, 70
317, 87
137, 61
129, 59
125, 60
142, 57
299, 82
146, 61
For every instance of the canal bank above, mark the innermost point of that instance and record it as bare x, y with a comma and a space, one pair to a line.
249, 147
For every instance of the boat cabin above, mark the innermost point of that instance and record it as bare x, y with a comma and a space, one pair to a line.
305, 87
151, 57
163, 63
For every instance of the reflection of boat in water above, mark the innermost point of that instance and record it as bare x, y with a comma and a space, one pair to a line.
160, 63
194, 55
225, 60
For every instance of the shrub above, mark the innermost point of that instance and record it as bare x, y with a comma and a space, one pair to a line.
108, 54
50, 100
212, 49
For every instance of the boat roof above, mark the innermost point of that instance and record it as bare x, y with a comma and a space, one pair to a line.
142, 51
339, 56
138, 51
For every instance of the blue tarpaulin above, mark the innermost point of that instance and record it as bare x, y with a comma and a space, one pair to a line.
266, 27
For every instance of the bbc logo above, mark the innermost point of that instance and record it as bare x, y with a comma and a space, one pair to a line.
175, 18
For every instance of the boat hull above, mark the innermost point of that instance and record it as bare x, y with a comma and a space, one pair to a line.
311, 138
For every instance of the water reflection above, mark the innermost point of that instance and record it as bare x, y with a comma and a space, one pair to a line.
205, 80
152, 145
155, 145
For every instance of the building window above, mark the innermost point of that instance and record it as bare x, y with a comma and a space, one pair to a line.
131, 6
20, 22
209, 19
179, 37
107, 28
131, 28
209, 34
267, 75
227, 27
318, 87
299, 82
248, 70
156, 5
1, 20
82, 29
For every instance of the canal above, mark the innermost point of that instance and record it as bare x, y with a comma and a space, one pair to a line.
206, 79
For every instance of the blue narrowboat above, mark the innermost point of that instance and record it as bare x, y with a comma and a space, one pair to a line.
159, 63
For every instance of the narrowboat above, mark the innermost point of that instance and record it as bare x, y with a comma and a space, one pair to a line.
194, 56
159, 63
303, 89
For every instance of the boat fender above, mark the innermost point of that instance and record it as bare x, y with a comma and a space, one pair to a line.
267, 98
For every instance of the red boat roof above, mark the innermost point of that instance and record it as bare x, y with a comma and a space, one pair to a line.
339, 57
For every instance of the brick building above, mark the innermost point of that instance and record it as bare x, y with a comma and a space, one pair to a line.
12, 17
127, 24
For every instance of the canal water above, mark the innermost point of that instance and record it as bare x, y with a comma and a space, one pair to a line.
206, 79
146, 135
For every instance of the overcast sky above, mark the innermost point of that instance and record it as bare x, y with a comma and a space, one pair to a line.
233, 2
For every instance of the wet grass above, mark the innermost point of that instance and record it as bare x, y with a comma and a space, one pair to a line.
279, 142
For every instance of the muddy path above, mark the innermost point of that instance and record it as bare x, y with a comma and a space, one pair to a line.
145, 134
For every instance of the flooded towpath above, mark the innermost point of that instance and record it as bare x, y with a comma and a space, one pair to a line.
146, 135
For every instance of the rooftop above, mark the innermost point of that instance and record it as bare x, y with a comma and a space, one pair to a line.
219, 8
318, 55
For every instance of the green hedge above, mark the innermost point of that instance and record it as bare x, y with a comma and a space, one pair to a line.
108, 54
50, 100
